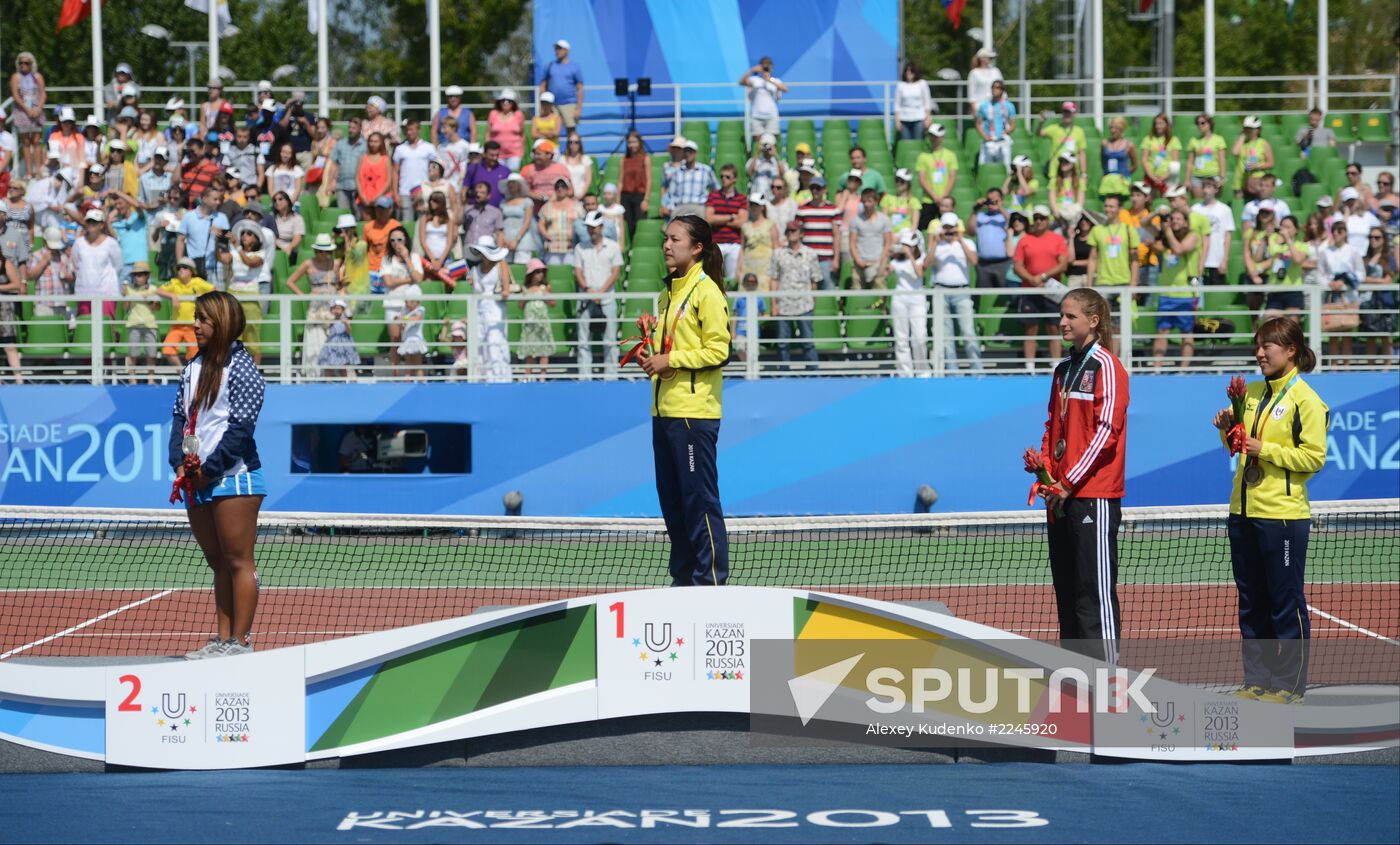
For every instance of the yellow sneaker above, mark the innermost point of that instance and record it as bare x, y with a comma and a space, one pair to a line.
1281, 696
1250, 692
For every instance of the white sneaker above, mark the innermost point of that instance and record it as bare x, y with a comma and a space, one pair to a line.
213, 648
233, 648
1030, 366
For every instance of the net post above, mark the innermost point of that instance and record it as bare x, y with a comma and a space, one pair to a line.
284, 340
1125, 322
95, 342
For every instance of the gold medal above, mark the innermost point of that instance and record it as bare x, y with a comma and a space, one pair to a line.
1253, 474
1059, 448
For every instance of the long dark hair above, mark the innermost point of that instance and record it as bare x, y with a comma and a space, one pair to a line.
711, 259
1095, 305
1286, 331
226, 314
641, 145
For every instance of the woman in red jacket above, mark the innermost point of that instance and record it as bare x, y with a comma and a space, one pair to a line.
1083, 448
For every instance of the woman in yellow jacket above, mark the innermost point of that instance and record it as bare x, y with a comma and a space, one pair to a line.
684, 362
1286, 424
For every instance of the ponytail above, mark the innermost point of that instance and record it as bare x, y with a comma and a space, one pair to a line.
1095, 305
711, 259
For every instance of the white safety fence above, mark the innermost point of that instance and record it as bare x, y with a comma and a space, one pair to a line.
847, 332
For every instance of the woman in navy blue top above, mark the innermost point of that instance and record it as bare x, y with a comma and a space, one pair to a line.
216, 465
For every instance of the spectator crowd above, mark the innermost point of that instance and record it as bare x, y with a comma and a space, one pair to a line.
146, 205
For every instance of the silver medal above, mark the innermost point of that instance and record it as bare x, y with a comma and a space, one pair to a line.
1059, 448
190, 445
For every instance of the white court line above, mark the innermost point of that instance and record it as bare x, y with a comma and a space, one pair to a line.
1345, 624
81, 625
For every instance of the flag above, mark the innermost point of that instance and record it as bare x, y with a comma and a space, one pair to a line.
954, 8
202, 6
1144, 6
313, 22
72, 12
455, 270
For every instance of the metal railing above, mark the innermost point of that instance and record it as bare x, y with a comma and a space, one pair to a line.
661, 115
853, 332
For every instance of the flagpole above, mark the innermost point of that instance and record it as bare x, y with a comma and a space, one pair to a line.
1098, 64
1322, 57
987, 24
434, 56
1210, 57
213, 37
97, 71
323, 60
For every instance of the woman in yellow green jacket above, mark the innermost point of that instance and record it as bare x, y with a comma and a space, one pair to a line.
1286, 426
685, 361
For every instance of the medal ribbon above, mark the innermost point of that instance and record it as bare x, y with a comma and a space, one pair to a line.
1261, 414
1066, 387
184, 485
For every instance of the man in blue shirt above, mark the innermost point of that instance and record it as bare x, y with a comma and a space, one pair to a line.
200, 230
129, 227
564, 80
989, 225
345, 166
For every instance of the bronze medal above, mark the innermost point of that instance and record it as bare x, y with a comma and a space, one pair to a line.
1253, 474
1059, 448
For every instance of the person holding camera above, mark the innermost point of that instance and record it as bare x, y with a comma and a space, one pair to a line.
765, 90
990, 225
299, 126
766, 167
954, 260
909, 306
200, 231
1178, 255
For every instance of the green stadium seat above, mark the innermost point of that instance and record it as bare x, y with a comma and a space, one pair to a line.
990, 176
368, 330
281, 270
697, 131
647, 256
836, 129
45, 337
1308, 196
867, 321
1343, 125
648, 237
270, 331
1373, 127
730, 130
826, 325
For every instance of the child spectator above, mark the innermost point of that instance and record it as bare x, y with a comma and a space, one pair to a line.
140, 322
412, 347
182, 291
739, 322
339, 357
536, 344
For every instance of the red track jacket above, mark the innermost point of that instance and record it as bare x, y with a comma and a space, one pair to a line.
1094, 428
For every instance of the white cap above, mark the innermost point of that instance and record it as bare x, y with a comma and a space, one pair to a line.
546, 96
473, 148
1041, 211
123, 67
507, 94
1350, 193
68, 175
1252, 122
903, 175
767, 139
95, 215
610, 188
377, 101
1324, 201
515, 177
96, 168
854, 174
1069, 155
268, 104
162, 152
53, 237
408, 292
340, 303
67, 113
1021, 161
691, 145
562, 43
453, 91
1142, 188
1178, 191
910, 237
55, 150
118, 144
986, 51
758, 199
937, 130
264, 85
94, 121
540, 142
677, 142
948, 218
594, 218
345, 221
174, 103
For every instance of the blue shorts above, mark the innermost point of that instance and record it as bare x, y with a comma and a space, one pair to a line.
238, 484
1176, 312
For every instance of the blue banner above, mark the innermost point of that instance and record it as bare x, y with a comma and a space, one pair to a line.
796, 446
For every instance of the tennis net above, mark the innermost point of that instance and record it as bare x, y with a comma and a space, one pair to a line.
133, 582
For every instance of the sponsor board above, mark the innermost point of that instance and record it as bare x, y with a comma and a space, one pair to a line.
652, 819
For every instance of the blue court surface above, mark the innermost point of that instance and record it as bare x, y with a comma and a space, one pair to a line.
937, 803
